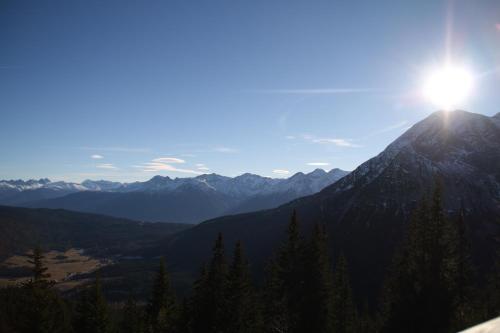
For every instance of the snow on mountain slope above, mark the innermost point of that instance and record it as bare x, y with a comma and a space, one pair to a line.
101, 185
21, 185
309, 183
188, 200
448, 145
243, 186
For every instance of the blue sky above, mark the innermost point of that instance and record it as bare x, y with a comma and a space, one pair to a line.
124, 90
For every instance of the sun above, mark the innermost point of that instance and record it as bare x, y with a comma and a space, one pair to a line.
448, 87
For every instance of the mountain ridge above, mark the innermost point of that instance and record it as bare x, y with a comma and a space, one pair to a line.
366, 212
185, 200
21, 229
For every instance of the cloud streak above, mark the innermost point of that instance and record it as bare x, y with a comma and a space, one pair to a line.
339, 142
226, 150
321, 91
336, 142
108, 166
165, 164
318, 163
401, 124
281, 172
97, 157
171, 160
156, 167
202, 167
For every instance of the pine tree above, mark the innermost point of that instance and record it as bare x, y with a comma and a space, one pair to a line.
243, 313
399, 298
92, 310
45, 310
423, 292
199, 302
433, 294
40, 276
33, 310
318, 296
459, 274
162, 307
285, 285
210, 304
344, 311
132, 317
493, 290
183, 324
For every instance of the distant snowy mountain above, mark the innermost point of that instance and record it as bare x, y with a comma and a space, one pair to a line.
101, 185
205, 196
21, 185
33, 184
13, 192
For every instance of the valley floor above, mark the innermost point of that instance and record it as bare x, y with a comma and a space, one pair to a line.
64, 268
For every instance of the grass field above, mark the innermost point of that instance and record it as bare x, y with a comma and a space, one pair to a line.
63, 267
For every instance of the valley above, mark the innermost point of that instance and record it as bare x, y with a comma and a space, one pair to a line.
64, 268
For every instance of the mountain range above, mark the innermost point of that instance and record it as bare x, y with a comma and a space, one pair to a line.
184, 200
366, 212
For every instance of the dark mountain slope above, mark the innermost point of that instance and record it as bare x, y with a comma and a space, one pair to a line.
184, 205
367, 210
21, 229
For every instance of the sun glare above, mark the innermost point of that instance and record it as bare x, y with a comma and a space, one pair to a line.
448, 87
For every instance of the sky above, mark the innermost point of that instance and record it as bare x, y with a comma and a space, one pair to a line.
125, 90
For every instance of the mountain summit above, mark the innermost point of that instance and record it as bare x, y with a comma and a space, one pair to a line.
459, 148
366, 211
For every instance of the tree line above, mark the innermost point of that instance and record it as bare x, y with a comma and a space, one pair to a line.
430, 287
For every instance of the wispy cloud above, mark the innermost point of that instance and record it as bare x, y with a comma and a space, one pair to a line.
155, 167
165, 164
171, 160
118, 149
97, 157
389, 128
321, 91
290, 137
401, 125
106, 166
339, 142
202, 167
318, 163
223, 149
281, 172
194, 149
350, 143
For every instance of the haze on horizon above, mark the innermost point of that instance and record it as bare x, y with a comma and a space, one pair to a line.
182, 88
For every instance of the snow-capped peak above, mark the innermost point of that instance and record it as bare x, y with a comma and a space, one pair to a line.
21, 185
243, 186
